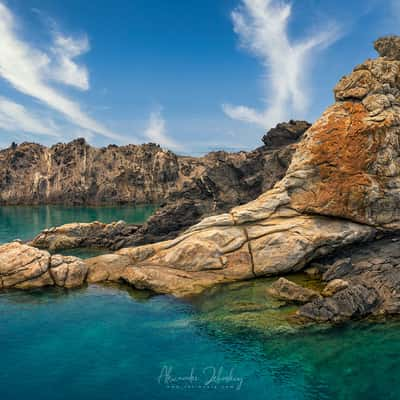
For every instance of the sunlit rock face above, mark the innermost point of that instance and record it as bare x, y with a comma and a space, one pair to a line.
348, 163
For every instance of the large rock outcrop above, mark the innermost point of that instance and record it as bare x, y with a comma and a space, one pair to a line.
341, 187
77, 173
188, 188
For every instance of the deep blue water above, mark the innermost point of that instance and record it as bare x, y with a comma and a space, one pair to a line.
111, 342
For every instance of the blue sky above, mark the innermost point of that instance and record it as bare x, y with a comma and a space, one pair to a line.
193, 75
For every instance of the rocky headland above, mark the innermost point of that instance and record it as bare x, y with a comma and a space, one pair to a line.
340, 191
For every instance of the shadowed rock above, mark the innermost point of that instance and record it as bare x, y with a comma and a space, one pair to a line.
370, 284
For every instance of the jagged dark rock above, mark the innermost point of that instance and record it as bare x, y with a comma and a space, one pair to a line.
285, 133
370, 283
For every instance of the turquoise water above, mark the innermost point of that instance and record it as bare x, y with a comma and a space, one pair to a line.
19, 222
233, 342
113, 343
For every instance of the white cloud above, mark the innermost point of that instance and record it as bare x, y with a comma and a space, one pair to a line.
156, 131
29, 70
64, 69
262, 26
15, 117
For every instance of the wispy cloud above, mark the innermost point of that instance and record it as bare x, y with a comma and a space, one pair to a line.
31, 71
156, 131
15, 118
262, 27
64, 69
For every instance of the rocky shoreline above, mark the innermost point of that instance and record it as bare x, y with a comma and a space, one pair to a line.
340, 193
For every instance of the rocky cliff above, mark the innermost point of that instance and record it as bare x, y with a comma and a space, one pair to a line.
77, 173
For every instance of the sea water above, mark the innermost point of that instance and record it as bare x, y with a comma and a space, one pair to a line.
232, 342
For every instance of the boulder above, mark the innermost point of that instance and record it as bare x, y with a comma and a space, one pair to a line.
25, 267
21, 264
68, 271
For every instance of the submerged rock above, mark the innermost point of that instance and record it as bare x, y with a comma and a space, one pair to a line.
283, 289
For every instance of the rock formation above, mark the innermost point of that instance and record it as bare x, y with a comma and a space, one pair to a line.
367, 283
341, 187
76, 173
25, 267
94, 234
283, 289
